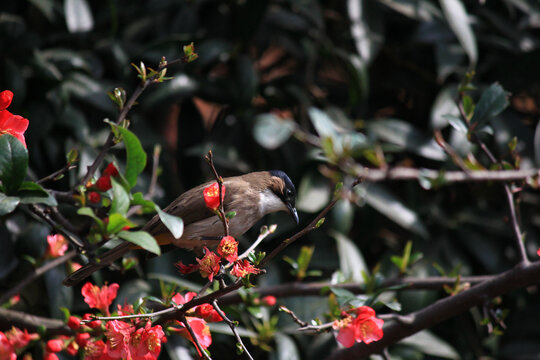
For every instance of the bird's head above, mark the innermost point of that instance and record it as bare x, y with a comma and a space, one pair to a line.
284, 189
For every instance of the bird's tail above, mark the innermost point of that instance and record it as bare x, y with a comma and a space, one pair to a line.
104, 260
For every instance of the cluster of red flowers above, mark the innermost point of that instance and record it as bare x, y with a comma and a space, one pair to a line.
364, 327
209, 264
102, 184
11, 124
13, 342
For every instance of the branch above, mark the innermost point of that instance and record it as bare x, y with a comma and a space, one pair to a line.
314, 289
210, 159
233, 328
37, 273
519, 277
194, 337
32, 323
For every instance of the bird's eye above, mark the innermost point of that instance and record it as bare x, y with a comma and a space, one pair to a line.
288, 193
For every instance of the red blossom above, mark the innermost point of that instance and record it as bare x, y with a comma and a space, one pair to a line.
269, 300
209, 264
242, 268
55, 345
14, 125
94, 197
74, 322
82, 339
208, 313
75, 266
228, 249
72, 348
19, 338
365, 327
145, 343
110, 170
50, 356
201, 330
538, 252
93, 324
127, 309
99, 298
180, 299
118, 335
56, 246
211, 196
7, 352
96, 350
104, 183
186, 269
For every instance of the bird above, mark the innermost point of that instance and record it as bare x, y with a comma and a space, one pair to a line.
251, 196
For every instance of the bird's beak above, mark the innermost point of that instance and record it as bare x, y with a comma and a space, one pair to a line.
293, 212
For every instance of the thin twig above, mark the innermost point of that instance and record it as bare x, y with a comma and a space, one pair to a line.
37, 273
39, 212
57, 173
194, 337
134, 316
269, 230
155, 168
233, 328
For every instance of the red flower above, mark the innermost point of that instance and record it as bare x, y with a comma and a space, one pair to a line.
7, 352
127, 309
96, 350
99, 298
19, 338
186, 269
208, 313
180, 299
364, 328
209, 264
538, 252
75, 266
104, 183
57, 246
11, 124
201, 330
228, 249
243, 267
211, 196
74, 322
110, 170
50, 356
72, 348
269, 300
94, 197
93, 324
82, 339
118, 335
55, 345
145, 343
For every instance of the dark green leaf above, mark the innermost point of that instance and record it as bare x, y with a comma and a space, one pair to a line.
86, 211
458, 20
13, 163
120, 200
492, 102
142, 239
136, 157
173, 223
8, 203
31, 193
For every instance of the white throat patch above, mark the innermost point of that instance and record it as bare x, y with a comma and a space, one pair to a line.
270, 202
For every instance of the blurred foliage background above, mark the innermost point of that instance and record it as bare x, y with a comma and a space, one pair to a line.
271, 75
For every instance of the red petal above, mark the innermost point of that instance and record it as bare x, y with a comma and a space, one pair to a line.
5, 99
346, 336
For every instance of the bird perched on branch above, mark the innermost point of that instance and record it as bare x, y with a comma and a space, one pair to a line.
251, 196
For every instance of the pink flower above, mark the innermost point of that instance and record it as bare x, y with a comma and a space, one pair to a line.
180, 299
56, 246
145, 343
96, 350
82, 339
99, 298
118, 335
365, 327
269, 300
209, 264
211, 196
242, 268
228, 249
92, 324
14, 125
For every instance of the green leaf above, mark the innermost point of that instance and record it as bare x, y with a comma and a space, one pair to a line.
136, 157
86, 211
430, 344
142, 239
173, 223
31, 193
13, 163
271, 132
120, 201
117, 222
351, 261
458, 20
8, 203
147, 205
492, 102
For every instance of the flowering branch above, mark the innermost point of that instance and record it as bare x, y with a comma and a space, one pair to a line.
518, 277
194, 337
210, 159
